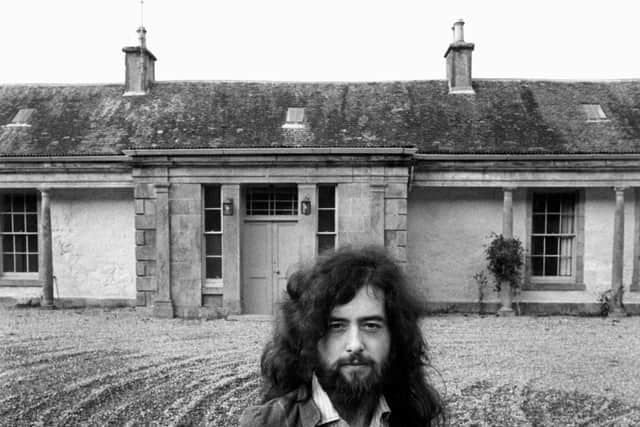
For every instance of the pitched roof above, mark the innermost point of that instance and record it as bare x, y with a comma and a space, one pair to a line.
516, 116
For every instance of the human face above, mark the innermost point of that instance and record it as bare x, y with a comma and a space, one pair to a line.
357, 343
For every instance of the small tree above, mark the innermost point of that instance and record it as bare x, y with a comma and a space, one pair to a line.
505, 256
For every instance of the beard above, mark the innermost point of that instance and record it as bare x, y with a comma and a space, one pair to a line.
349, 385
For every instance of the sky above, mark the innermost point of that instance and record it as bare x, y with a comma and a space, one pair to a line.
81, 41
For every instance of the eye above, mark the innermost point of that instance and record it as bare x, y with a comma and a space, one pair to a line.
372, 326
336, 326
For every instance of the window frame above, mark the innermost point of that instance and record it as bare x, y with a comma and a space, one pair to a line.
272, 202
212, 282
333, 233
27, 278
557, 283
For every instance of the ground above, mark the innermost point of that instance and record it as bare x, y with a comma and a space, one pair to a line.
123, 367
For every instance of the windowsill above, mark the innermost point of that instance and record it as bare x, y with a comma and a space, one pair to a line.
212, 287
20, 283
249, 218
553, 285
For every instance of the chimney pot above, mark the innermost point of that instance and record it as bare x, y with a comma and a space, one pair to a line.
142, 36
458, 31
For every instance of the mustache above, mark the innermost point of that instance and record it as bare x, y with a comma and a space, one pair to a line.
354, 359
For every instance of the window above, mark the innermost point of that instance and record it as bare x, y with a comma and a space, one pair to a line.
555, 241
19, 230
213, 232
295, 118
552, 234
22, 118
272, 200
326, 217
594, 112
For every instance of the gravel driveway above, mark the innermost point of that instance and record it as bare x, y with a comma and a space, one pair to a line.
123, 367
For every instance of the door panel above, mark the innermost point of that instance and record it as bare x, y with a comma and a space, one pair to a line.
270, 252
256, 267
286, 255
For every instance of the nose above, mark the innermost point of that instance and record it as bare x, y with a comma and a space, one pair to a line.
354, 341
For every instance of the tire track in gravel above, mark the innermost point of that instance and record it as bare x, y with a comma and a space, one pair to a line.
51, 376
128, 381
166, 397
232, 403
195, 408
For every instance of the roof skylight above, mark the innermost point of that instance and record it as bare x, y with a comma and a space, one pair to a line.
22, 118
295, 118
594, 112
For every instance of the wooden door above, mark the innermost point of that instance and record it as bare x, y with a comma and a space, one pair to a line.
270, 251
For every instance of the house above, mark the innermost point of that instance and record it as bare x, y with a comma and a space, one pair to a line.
192, 198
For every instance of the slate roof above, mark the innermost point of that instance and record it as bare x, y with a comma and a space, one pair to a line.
515, 116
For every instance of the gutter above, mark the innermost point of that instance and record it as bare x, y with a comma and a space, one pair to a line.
506, 157
92, 159
270, 151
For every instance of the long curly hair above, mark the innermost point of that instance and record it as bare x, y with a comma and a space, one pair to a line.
289, 359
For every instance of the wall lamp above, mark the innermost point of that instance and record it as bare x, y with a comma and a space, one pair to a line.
305, 206
227, 207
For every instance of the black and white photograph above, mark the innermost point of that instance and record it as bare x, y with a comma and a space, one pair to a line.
340, 213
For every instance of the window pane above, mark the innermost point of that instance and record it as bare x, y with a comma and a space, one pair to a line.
551, 246
32, 203
539, 203
536, 266
326, 221
18, 203
7, 263
21, 243
565, 266
551, 266
6, 223
212, 197
566, 224
6, 203
538, 224
33, 263
7, 244
32, 244
553, 224
18, 223
565, 246
567, 205
326, 196
212, 220
21, 263
553, 202
537, 245
32, 223
326, 242
214, 244
214, 268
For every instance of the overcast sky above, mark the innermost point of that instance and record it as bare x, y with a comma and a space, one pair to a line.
80, 41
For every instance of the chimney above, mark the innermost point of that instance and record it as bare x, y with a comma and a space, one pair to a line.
140, 67
459, 61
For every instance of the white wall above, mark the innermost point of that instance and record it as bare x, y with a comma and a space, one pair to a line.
93, 243
448, 228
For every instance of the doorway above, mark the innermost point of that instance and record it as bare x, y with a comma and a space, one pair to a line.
270, 252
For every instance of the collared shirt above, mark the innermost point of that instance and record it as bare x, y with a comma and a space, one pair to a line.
330, 417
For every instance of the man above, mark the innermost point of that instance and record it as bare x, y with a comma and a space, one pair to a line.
347, 350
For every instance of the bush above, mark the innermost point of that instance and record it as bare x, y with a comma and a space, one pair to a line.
505, 256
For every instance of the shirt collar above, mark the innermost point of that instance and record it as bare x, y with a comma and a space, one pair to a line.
328, 413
